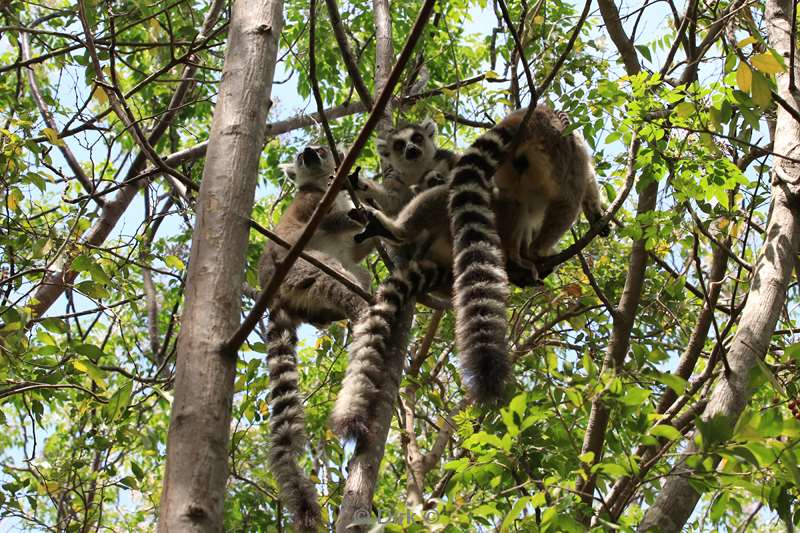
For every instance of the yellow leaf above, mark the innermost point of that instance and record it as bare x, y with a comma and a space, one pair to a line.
450, 93
13, 198
538, 20
52, 137
744, 77
491, 75
767, 63
744, 42
100, 95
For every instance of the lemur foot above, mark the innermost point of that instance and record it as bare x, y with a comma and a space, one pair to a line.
359, 215
523, 273
373, 227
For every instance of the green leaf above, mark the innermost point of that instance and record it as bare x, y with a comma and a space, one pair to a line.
716, 430
676, 383
87, 367
52, 137
90, 350
174, 262
792, 351
613, 470
54, 325
747, 40
685, 109
666, 431
587, 457
515, 511
762, 95
81, 263
635, 396
119, 401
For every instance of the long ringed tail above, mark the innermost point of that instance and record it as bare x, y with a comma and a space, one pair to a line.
287, 427
364, 384
480, 287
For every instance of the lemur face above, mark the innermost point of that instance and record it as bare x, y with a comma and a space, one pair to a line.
410, 147
313, 166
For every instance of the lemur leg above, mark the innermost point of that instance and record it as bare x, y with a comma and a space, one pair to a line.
559, 218
592, 207
326, 299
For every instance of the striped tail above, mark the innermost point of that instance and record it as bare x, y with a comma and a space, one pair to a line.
480, 283
287, 429
364, 382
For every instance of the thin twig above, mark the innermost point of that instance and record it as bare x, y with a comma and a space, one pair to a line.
563, 57
347, 53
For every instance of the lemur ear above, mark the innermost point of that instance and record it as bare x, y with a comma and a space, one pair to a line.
289, 170
383, 148
342, 149
429, 127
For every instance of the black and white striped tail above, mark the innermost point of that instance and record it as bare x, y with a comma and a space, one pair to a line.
287, 427
480, 285
364, 382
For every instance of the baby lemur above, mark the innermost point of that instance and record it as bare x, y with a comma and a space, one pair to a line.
497, 206
306, 295
412, 163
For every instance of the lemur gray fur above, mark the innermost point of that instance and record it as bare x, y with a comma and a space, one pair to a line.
306, 295
412, 163
498, 207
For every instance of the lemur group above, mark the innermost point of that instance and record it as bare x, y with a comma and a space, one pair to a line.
474, 221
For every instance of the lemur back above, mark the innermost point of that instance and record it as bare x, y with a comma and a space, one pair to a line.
306, 295
412, 163
476, 223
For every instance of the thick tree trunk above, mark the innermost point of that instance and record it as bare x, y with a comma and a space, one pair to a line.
677, 500
197, 448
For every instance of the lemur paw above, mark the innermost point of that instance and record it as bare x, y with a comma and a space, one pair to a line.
359, 215
355, 181
373, 227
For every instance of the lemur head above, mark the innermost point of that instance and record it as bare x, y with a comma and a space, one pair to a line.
312, 167
409, 147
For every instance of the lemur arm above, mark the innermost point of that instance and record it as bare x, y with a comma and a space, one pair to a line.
390, 196
339, 222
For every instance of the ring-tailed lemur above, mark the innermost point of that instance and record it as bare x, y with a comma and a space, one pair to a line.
306, 295
476, 223
412, 163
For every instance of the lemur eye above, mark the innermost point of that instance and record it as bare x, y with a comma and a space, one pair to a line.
323, 154
399, 145
417, 138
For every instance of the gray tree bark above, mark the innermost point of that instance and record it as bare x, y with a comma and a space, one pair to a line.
197, 447
773, 270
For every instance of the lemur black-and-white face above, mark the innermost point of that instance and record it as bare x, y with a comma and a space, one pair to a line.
312, 167
410, 147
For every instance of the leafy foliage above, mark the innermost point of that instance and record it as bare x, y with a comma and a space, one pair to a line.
85, 387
